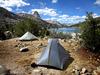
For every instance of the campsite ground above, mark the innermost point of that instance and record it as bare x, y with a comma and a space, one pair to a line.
20, 62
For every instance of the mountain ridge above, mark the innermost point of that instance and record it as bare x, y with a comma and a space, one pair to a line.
9, 19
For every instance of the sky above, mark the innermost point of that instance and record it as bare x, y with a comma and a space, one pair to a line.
64, 11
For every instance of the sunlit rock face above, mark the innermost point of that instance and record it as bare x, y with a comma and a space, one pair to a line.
36, 14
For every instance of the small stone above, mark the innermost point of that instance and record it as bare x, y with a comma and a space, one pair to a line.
3, 70
83, 70
98, 59
24, 49
40, 44
88, 73
45, 38
83, 74
98, 69
77, 72
95, 72
69, 41
73, 71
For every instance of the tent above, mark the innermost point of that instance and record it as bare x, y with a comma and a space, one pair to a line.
53, 55
28, 36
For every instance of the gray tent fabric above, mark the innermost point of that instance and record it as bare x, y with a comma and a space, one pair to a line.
28, 36
53, 55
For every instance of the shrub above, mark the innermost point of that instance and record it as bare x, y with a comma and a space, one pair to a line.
91, 33
30, 25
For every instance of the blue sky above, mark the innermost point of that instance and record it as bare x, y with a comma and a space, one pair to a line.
64, 11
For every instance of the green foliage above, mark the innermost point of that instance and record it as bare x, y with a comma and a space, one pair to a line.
5, 26
90, 33
29, 25
44, 32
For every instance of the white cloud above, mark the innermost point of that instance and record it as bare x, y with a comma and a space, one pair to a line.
97, 2
68, 19
45, 11
10, 9
54, 1
51, 14
63, 16
95, 15
8, 4
72, 19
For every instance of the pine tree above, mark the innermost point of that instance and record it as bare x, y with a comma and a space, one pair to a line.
90, 33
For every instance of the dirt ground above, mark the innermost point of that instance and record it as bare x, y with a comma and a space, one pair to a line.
19, 63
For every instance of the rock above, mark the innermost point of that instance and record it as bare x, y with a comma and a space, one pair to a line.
88, 73
98, 60
36, 72
8, 34
73, 71
83, 74
77, 72
24, 49
45, 38
20, 45
98, 69
36, 14
40, 45
69, 41
95, 72
3, 70
83, 70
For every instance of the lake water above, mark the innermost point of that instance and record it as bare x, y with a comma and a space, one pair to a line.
69, 30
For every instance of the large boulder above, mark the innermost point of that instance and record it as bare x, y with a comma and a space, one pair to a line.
24, 49
8, 34
3, 70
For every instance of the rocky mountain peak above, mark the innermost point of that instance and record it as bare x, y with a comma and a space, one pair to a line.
36, 14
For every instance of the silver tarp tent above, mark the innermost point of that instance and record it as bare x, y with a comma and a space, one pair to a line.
53, 55
28, 36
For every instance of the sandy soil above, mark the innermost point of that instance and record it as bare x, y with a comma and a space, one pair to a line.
20, 62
